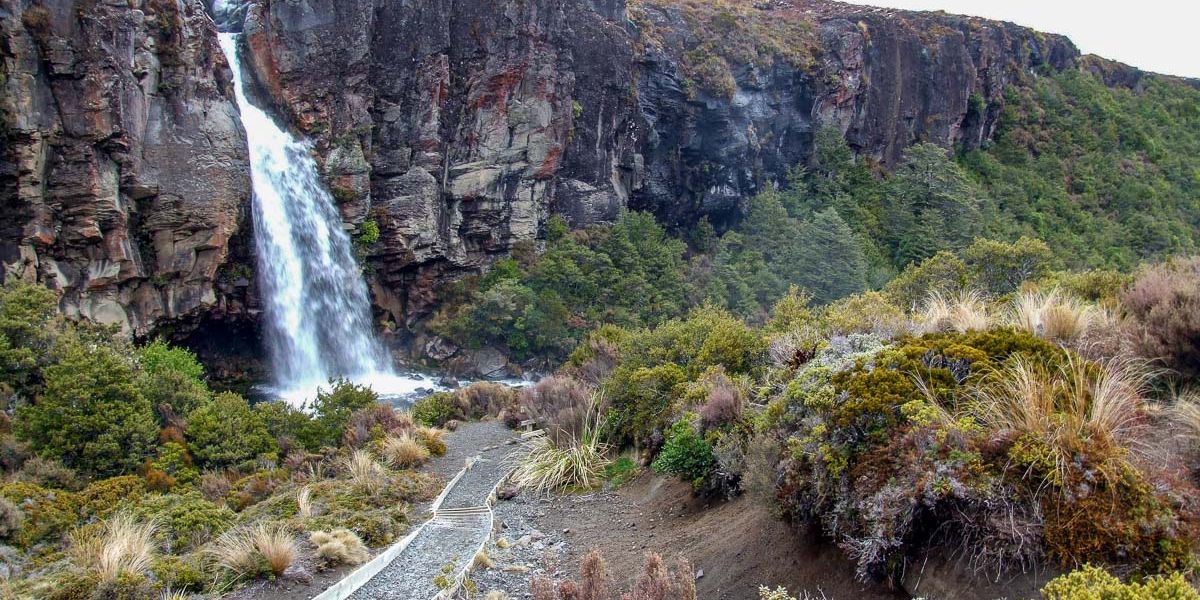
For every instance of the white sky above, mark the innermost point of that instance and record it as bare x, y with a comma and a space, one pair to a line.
1155, 35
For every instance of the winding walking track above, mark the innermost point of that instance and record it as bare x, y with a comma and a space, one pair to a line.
442, 549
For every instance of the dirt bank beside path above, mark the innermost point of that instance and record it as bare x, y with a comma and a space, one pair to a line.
738, 545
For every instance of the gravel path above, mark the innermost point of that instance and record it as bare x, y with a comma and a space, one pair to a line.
477, 483
438, 549
447, 543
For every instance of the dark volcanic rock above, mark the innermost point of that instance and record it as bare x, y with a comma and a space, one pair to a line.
460, 126
124, 171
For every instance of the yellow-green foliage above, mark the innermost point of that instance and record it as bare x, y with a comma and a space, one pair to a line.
104, 497
655, 362
185, 573
1092, 583
48, 513
869, 312
185, 520
378, 517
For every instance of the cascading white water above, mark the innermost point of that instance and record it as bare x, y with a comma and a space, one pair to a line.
318, 322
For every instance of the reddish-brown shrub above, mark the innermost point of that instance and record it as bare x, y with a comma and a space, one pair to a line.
724, 405
1164, 302
375, 422
215, 486
656, 582
487, 399
559, 403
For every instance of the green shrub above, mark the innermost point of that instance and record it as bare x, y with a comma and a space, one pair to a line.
435, 409
104, 497
185, 520
175, 460
159, 357
27, 312
227, 432
332, 409
288, 424
686, 454
1092, 583
172, 394
180, 573
91, 415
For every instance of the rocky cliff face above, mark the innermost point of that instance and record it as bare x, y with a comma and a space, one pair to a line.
461, 125
457, 125
123, 174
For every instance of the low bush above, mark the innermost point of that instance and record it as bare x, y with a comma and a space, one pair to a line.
105, 497
11, 518
49, 474
183, 573
487, 399
686, 453
723, 405
48, 513
375, 423
1164, 302
184, 521
331, 412
437, 408
1089, 582
560, 406
227, 432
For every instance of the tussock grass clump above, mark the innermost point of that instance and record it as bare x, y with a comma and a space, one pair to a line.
1051, 315
433, 438
121, 545
365, 472
1077, 408
304, 506
254, 549
576, 460
962, 313
403, 452
340, 546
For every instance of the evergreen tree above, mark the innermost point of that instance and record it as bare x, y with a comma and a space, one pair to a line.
830, 258
91, 415
933, 205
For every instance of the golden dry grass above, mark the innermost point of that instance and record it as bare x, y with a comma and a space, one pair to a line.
962, 313
245, 550
365, 472
1079, 408
119, 545
1051, 315
340, 546
403, 452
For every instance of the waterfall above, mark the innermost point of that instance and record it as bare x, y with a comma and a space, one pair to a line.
317, 313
